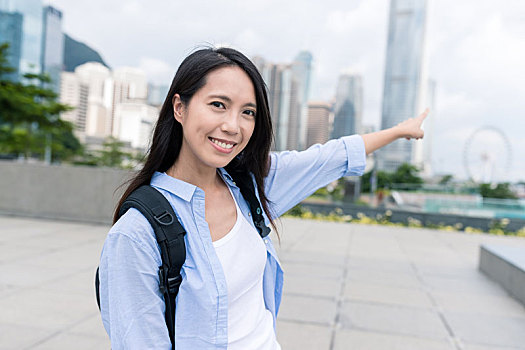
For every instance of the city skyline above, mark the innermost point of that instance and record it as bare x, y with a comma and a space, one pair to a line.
466, 51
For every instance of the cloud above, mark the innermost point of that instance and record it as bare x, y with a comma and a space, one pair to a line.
158, 71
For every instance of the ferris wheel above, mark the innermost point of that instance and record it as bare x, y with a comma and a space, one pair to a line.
487, 155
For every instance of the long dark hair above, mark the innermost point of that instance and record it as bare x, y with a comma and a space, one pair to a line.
167, 136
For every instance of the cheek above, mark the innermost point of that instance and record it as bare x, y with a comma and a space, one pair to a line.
249, 131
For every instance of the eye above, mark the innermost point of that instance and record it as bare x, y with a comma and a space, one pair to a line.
217, 104
250, 112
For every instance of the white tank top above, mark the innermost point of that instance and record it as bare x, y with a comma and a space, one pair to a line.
242, 254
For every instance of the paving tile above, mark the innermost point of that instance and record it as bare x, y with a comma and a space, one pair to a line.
49, 310
495, 305
489, 347
330, 259
27, 275
491, 330
300, 336
356, 339
14, 337
91, 326
314, 270
385, 278
312, 286
375, 293
475, 284
380, 264
392, 319
72, 341
307, 309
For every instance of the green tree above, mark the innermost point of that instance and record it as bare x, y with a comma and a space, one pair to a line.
501, 190
446, 179
30, 116
407, 174
384, 180
112, 154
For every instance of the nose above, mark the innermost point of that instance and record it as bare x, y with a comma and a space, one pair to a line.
230, 124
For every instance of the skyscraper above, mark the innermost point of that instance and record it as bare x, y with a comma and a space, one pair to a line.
129, 85
11, 33
403, 76
298, 117
318, 122
348, 106
31, 44
288, 93
278, 79
97, 79
52, 55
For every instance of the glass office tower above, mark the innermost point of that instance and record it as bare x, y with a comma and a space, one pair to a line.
403, 76
11, 33
31, 47
52, 55
348, 106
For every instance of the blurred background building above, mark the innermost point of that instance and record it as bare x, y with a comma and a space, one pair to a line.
30, 42
318, 122
11, 32
348, 106
52, 55
288, 95
403, 84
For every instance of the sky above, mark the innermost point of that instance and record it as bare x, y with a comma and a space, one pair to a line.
474, 51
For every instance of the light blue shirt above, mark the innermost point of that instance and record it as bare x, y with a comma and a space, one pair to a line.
132, 306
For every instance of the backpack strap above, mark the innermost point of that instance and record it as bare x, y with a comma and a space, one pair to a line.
247, 187
170, 237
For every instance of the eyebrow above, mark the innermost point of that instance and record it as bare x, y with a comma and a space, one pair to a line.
229, 100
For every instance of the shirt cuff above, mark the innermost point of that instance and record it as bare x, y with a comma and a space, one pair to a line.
356, 156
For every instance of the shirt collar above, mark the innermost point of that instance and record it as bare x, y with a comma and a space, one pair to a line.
178, 187
226, 177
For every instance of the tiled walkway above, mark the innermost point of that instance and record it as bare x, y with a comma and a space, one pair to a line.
346, 287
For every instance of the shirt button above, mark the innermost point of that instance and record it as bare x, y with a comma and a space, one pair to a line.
266, 240
249, 214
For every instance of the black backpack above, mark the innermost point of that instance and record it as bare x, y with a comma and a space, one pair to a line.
170, 236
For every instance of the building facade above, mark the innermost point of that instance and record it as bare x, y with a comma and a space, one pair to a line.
348, 112
318, 130
134, 123
403, 83
31, 43
108, 104
288, 92
11, 33
52, 55
300, 94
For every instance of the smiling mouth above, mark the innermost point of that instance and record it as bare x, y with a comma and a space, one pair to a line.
222, 143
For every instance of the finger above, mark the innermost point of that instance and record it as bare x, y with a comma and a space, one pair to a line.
423, 115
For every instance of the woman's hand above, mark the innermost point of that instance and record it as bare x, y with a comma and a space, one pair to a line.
411, 128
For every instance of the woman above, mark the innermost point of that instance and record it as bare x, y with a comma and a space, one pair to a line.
216, 110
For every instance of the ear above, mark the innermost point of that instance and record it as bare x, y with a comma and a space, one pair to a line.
178, 108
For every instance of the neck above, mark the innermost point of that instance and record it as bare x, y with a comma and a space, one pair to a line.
204, 178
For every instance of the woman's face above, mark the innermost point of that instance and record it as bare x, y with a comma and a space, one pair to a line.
219, 119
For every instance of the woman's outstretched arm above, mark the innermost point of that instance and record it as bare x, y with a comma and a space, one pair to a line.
409, 129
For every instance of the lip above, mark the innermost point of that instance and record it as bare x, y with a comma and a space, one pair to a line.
219, 148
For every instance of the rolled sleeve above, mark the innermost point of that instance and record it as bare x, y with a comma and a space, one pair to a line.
356, 156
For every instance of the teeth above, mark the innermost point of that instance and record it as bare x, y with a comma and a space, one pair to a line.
222, 144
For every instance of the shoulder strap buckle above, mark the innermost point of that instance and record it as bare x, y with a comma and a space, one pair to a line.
159, 218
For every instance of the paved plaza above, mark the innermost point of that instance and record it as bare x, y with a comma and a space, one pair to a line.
347, 286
